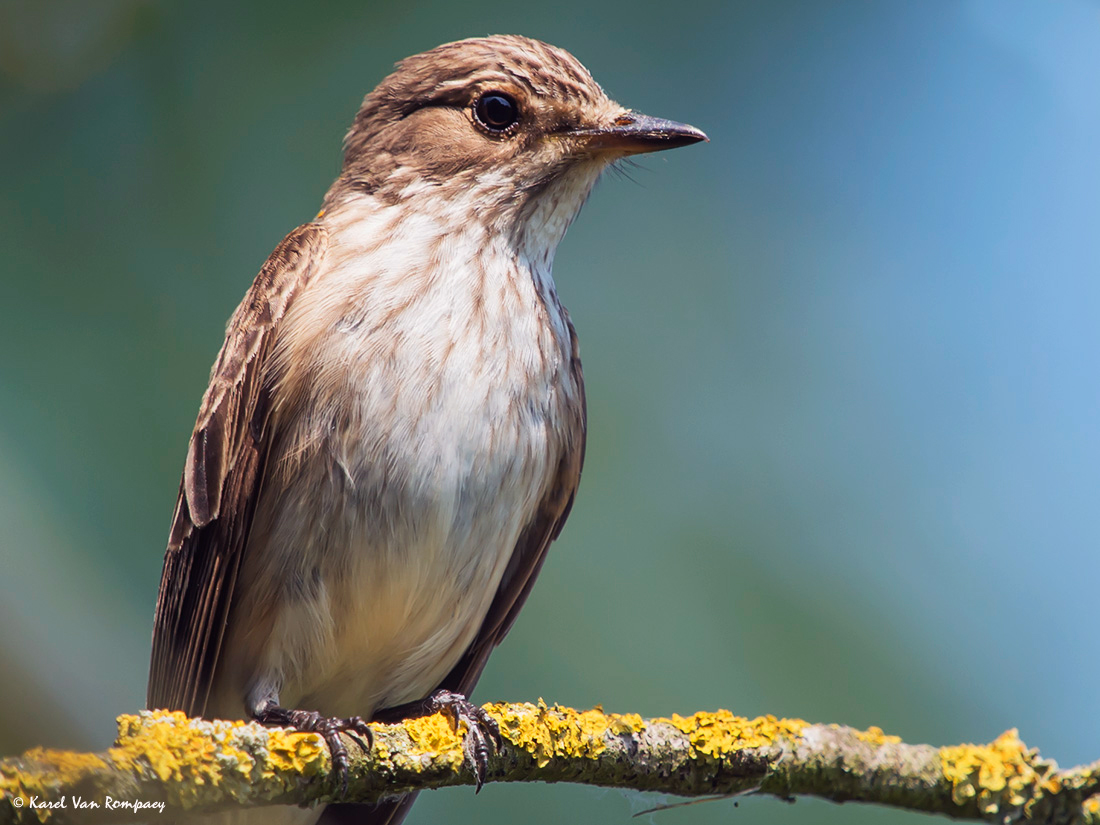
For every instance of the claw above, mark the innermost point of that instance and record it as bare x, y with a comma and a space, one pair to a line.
328, 727
480, 729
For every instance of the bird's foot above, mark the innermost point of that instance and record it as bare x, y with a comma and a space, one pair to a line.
481, 728
329, 727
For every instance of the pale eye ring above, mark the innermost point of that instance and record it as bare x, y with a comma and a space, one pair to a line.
497, 112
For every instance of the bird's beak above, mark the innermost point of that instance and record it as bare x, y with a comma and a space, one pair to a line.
632, 134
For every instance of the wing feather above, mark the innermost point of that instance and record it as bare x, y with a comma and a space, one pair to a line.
220, 483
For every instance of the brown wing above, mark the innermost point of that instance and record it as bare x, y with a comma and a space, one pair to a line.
221, 482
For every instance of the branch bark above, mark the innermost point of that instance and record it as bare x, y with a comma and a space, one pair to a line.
167, 761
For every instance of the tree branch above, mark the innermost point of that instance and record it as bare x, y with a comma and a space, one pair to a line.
165, 759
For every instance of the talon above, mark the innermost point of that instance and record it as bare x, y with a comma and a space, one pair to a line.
356, 726
480, 729
480, 726
328, 728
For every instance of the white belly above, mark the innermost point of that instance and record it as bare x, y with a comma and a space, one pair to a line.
413, 448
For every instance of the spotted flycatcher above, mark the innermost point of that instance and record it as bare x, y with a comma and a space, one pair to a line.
394, 429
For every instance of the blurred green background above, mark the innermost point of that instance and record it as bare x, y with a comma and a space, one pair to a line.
842, 361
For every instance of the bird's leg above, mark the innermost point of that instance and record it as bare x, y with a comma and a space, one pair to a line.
329, 727
481, 728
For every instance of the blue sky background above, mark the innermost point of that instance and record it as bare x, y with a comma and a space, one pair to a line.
842, 360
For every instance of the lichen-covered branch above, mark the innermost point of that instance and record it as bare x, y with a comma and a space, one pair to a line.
165, 759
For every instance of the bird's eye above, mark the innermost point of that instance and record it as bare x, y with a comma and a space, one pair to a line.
497, 112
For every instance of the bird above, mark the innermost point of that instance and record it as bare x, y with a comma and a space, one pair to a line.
394, 428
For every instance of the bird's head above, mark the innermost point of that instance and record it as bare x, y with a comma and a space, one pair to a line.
515, 124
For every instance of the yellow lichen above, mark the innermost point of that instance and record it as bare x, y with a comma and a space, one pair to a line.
436, 737
290, 751
719, 733
43, 772
875, 736
193, 754
1001, 774
626, 723
188, 752
164, 741
546, 732
381, 749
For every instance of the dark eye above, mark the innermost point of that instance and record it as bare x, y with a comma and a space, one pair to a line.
496, 111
